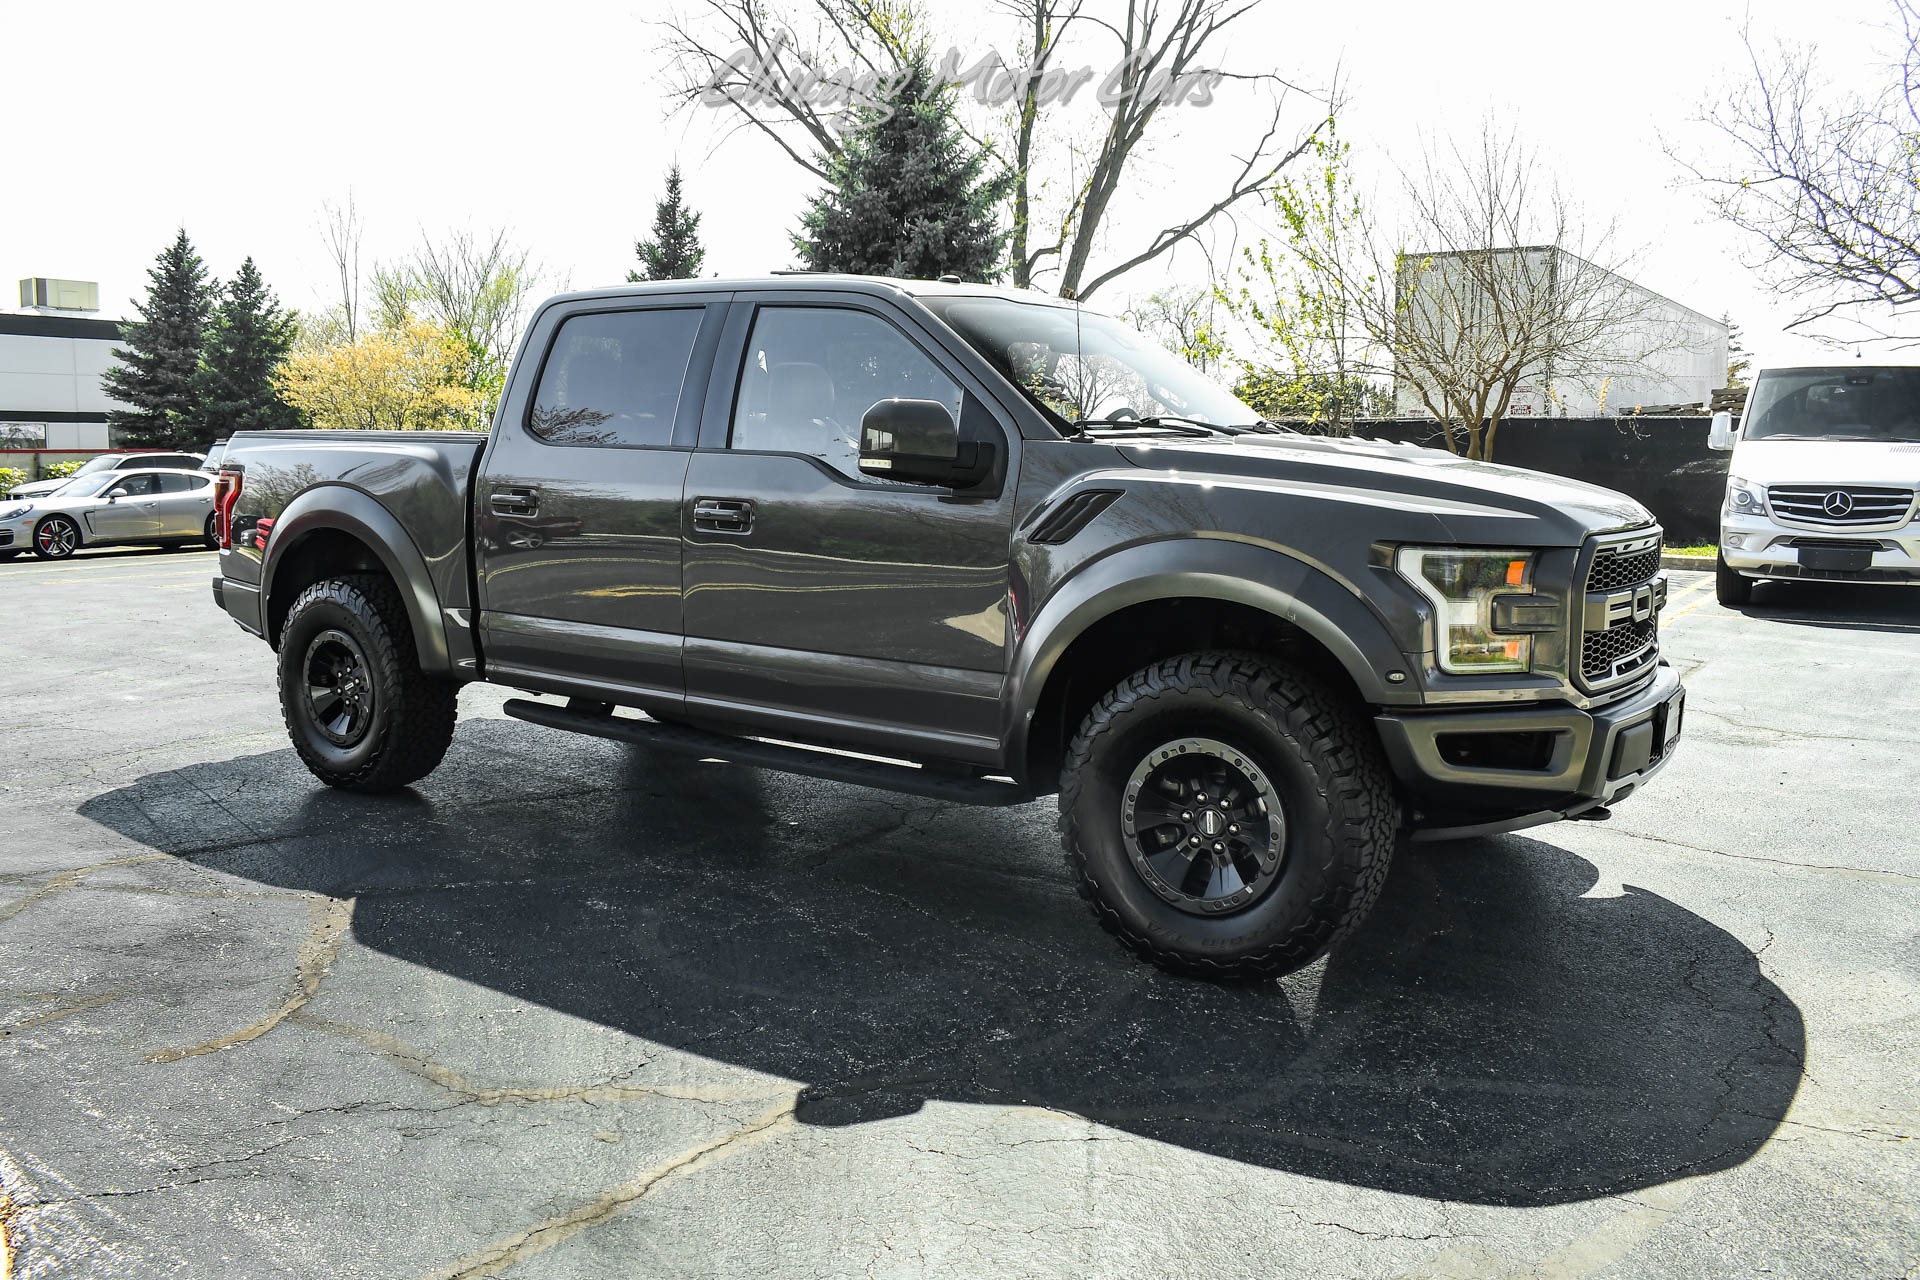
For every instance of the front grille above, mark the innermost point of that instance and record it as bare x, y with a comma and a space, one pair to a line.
1602, 652
1840, 505
1619, 617
1630, 570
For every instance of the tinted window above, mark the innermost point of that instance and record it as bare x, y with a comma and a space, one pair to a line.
137, 486
811, 374
614, 378
1857, 402
182, 482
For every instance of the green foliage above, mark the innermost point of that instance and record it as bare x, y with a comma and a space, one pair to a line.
1185, 323
61, 470
908, 196
248, 337
159, 369
11, 478
1739, 359
675, 252
1295, 297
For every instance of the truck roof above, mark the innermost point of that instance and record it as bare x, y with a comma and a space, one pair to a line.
885, 286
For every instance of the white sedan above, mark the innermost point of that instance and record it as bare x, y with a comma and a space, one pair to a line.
148, 506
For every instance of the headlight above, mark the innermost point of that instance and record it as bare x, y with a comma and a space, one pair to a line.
1481, 602
1744, 499
14, 513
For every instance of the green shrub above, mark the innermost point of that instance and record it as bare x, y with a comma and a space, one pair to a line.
9, 477
61, 470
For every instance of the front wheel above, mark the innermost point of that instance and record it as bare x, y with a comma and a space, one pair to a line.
56, 538
1730, 587
361, 713
1225, 816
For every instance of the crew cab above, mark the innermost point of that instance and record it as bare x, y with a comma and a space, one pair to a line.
1824, 482
981, 546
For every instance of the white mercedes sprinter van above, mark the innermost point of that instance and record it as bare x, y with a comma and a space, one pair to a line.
1823, 480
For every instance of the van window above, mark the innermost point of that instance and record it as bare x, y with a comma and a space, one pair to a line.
613, 378
811, 374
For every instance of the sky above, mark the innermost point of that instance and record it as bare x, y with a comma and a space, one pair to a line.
238, 121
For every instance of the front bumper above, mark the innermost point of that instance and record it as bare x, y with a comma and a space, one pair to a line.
1479, 772
1758, 546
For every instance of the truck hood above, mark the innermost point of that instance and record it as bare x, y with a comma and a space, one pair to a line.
1765, 462
1473, 502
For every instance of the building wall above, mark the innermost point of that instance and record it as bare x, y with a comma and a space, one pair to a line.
51, 396
1692, 365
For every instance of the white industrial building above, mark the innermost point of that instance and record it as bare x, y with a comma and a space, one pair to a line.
53, 352
1663, 354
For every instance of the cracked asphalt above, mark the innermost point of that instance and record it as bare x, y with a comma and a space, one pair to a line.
569, 1009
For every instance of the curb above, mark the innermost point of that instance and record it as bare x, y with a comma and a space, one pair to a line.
1701, 564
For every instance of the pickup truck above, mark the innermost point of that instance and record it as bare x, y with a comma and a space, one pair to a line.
980, 546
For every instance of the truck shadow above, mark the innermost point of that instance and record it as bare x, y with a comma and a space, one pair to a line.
1493, 1035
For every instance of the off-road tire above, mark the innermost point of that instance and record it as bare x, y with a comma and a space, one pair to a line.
411, 722
1342, 817
1730, 587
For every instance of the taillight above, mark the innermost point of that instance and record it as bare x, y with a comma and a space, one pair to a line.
226, 492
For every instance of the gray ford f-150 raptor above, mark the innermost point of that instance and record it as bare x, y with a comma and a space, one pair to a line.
972, 544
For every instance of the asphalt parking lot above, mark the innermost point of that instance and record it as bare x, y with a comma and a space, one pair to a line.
571, 1010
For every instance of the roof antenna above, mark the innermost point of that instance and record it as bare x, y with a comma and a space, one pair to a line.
1079, 347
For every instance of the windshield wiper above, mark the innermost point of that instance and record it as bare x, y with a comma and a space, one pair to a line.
1165, 422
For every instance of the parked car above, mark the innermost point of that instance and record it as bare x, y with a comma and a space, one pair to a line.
1824, 483
1010, 546
113, 462
162, 506
214, 452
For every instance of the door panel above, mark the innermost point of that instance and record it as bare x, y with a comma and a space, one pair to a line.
835, 595
577, 506
134, 516
184, 505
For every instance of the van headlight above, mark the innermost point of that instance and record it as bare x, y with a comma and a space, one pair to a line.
1744, 499
1484, 606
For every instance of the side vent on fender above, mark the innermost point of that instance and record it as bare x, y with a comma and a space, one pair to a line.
1073, 515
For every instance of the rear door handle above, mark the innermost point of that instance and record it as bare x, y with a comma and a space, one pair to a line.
514, 502
723, 515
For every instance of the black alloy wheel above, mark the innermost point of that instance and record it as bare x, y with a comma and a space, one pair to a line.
1204, 826
339, 688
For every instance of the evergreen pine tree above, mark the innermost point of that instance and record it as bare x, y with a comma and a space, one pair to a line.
907, 196
675, 252
246, 340
158, 371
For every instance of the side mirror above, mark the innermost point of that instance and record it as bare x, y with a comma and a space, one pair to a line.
114, 495
1720, 435
918, 441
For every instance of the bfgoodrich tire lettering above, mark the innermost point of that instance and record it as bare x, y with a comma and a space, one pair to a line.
1340, 815
349, 637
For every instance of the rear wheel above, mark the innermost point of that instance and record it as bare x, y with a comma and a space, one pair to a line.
56, 538
1225, 816
360, 712
210, 535
1731, 587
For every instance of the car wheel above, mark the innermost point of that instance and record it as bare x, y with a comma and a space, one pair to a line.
361, 713
1731, 587
56, 538
210, 534
1224, 816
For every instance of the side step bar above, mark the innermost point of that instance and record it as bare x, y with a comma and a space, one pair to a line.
881, 776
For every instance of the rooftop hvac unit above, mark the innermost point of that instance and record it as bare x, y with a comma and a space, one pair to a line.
60, 295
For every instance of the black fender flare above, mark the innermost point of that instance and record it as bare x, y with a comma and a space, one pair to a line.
1290, 589
341, 508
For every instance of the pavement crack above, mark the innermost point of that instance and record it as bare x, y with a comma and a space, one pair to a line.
1873, 873
80, 1005
328, 921
65, 880
502, 1254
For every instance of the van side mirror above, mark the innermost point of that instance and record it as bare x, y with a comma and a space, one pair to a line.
918, 441
1720, 435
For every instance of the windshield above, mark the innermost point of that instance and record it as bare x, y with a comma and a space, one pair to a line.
105, 462
1845, 403
1079, 365
85, 486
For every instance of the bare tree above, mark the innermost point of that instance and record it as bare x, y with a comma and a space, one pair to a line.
476, 287
1185, 321
1162, 51
1494, 283
1825, 183
341, 228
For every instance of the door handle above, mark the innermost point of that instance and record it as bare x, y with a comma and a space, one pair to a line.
723, 515
514, 502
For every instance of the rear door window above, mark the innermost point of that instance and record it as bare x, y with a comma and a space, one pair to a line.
613, 378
